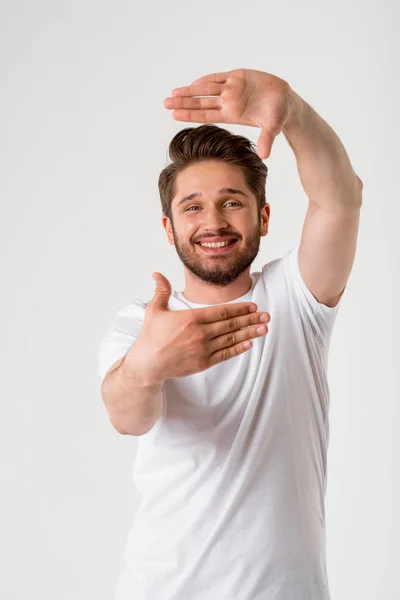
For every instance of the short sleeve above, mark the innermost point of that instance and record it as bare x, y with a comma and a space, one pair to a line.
122, 333
318, 316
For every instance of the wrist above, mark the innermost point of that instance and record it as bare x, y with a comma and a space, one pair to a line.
141, 369
297, 113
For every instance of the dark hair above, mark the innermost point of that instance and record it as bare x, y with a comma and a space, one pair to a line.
210, 142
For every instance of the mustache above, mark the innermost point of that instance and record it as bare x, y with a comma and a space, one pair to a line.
225, 234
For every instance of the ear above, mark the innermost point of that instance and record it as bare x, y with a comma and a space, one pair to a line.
265, 213
166, 223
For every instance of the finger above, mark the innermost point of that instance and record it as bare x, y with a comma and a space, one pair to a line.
227, 353
230, 340
210, 314
179, 103
162, 292
201, 89
264, 144
214, 77
219, 328
198, 116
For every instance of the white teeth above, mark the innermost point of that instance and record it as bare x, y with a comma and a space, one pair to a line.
215, 244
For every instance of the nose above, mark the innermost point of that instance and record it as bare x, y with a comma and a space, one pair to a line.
214, 220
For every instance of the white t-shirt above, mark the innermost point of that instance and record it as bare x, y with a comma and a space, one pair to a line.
233, 474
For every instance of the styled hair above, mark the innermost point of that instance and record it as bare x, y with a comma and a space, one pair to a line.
210, 142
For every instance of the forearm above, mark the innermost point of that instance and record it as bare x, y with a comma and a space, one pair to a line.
133, 405
326, 173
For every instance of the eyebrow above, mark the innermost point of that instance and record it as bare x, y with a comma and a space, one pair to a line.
220, 191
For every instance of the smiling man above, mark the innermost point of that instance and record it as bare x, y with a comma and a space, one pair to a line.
216, 230
225, 382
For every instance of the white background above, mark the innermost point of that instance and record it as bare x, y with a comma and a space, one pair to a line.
83, 137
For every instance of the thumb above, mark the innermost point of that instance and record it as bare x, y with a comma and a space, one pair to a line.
162, 292
264, 144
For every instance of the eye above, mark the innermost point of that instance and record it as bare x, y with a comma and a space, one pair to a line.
230, 202
234, 202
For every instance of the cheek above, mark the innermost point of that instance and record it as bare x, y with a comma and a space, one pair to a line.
188, 230
185, 231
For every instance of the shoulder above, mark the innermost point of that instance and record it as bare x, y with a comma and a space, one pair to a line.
121, 333
128, 314
276, 268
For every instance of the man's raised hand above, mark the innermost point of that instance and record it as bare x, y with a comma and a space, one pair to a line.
183, 342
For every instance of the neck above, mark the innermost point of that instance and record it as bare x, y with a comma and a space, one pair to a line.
200, 292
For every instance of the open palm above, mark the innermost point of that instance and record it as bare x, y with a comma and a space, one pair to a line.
242, 97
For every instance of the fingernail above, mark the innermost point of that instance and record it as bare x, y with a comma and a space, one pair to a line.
264, 318
253, 308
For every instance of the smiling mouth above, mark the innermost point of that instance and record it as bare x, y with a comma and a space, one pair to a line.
217, 249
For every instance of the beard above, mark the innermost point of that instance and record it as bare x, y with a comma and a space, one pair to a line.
226, 268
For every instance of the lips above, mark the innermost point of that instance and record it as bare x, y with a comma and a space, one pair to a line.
216, 239
222, 250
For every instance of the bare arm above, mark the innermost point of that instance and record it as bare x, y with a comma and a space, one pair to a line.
174, 344
133, 405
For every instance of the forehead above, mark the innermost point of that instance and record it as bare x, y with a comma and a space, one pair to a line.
208, 177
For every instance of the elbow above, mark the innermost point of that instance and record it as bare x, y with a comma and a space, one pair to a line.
361, 187
119, 429
123, 429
